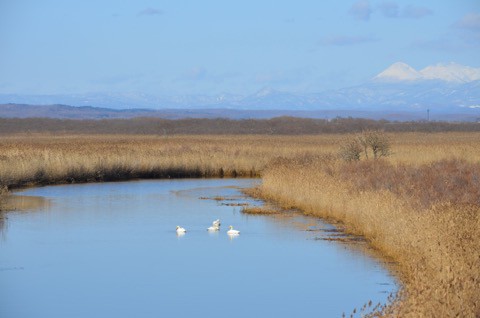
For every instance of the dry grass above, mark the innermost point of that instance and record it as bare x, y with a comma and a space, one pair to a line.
455, 181
405, 211
26, 160
419, 207
260, 210
44, 159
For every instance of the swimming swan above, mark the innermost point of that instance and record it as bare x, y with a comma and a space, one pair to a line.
232, 231
213, 228
181, 230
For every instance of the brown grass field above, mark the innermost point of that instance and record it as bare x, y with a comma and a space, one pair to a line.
408, 213
27, 159
420, 206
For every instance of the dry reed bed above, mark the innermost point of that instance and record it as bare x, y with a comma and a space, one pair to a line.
45, 159
436, 246
63, 159
408, 213
260, 210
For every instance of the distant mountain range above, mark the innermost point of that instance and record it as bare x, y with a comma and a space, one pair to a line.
451, 72
400, 91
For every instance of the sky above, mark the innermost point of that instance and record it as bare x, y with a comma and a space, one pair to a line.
216, 46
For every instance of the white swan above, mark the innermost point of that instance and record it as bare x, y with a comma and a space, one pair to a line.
213, 228
181, 230
232, 231
216, 223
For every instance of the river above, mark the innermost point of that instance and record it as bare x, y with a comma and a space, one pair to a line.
111, 250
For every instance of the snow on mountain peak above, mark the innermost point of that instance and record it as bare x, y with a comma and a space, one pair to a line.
450, 72
399, 72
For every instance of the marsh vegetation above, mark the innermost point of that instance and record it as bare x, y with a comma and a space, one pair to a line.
30, 159
419, 206
425, 217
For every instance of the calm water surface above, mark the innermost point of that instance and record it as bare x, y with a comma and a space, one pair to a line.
111, 250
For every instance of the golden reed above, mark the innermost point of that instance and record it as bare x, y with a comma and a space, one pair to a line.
434, 237
435, 242
29, 159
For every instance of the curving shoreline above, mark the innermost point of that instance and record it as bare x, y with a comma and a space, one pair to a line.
435, 248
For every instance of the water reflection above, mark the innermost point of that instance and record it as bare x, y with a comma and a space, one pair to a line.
232, 236
315, 228
25, 203
22, 204
3, 224
108, 250
213, 233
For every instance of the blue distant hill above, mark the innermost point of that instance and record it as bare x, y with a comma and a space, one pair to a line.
398, 93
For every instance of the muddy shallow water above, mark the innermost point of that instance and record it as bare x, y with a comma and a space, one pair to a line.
111, 250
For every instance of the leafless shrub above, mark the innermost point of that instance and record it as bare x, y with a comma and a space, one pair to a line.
376, 142
372, 143
351, 150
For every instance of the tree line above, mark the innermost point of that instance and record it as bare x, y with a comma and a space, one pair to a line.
274, 126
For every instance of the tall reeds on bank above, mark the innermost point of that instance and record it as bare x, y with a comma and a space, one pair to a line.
37, 160
425, 217
30, 159
420, 206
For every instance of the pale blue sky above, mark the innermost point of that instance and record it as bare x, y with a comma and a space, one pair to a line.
210, 47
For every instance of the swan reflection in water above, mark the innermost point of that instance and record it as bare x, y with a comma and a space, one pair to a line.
233, 236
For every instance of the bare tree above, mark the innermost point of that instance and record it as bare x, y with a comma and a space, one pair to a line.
372, 142
362, 140
378, 143
351, 149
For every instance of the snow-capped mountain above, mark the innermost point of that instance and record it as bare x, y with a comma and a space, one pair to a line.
442, 88
450, 72
399, 72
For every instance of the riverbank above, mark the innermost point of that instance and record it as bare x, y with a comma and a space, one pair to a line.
41, 159
424, 217
404, 206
